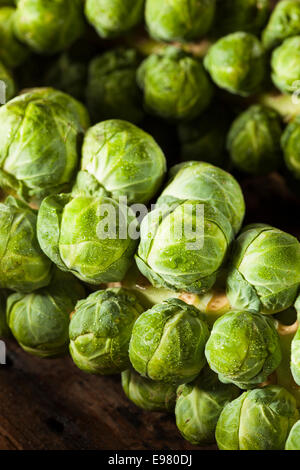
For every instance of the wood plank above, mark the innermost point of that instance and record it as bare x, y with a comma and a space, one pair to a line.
50, 404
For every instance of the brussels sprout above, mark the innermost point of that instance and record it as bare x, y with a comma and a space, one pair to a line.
40, 142
265, 270
168, 341
295, 348
175, 85
204, 139
40, 321
237, 63
283, 23
204, 182
7, 84
112, 91
285, 64
241, 15
183, 245
291, 146
120, 160
243, 348
179, 20
148, 394
100, 331
4, 328
113, 18
293, 440
67, 75
199, 405
254, 140
207, 183
89, 236
12, 52
259, 419
295, 357
49, 27
23, 265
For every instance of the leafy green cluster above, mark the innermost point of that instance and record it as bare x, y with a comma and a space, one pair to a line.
40, 320
237, 63
253, 141
174, 84
64, 24
112, 18
243, 348
258, 420
264, 273
179, 20
100, 331
112, 90
47, 125
211, 201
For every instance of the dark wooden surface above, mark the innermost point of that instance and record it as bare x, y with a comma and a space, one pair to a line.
50, 404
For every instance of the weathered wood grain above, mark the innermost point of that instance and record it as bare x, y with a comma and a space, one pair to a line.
50, 404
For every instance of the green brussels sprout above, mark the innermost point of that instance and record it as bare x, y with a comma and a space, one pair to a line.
41, 131
67, 75
148, 394
265, 270
285, 64
204, 138
291, 146
168, 341
12, 52
49, 27
283, 23
293, 440
4, 328
89, 236
237, 63
184, 245
112, 91
243, 348
112, 18
241, 15
199, 405
40, 320
175, 85
254, 140
179, 20
295, 348
295, 357
100, 331
7, 84
259, 419
120, 160
23, 265
204, 182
